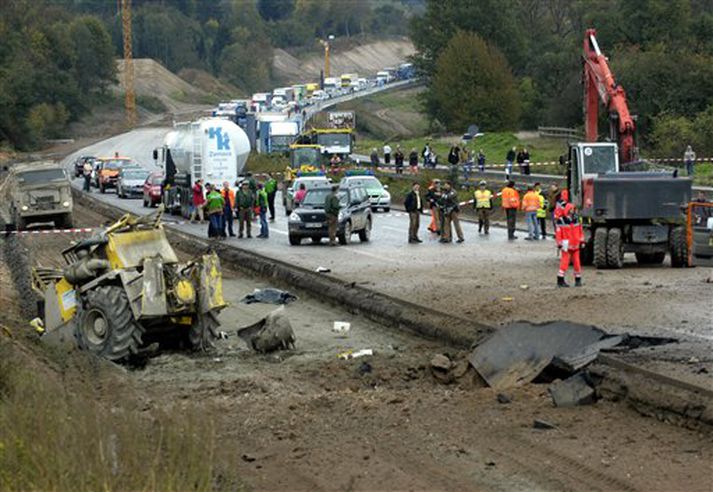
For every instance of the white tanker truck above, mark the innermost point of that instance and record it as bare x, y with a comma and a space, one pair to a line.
212, 149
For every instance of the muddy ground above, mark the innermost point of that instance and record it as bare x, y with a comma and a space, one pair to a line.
307, 420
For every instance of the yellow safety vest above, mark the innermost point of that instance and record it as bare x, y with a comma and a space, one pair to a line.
542, 211
482, 198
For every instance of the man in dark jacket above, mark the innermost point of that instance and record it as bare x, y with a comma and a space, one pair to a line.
449, 208
414, 206
244, 202
331, 209
399, 160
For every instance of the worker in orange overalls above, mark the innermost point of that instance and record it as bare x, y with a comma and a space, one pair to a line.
432, 196
570, 239
510, 202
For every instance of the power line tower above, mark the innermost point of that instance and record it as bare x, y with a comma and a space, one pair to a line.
130, 101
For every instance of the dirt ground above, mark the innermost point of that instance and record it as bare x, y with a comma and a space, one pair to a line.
307, 420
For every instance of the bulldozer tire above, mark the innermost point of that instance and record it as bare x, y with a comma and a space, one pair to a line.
650, 258
203, 331
679, 248
600, 248
106, 326
615, 248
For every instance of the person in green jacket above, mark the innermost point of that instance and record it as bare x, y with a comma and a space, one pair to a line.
244, 202
262, 203
271, 190
331, 209
214, 208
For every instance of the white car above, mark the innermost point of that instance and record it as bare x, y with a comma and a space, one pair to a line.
311, 180
379, 197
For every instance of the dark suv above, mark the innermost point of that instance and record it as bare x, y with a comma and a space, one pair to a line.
309, 219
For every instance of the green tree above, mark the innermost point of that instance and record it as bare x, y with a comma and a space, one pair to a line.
473, 84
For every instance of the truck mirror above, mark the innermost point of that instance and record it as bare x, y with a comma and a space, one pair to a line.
155, 154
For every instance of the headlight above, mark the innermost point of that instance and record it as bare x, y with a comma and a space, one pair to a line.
295, 217
65, 204
25, 208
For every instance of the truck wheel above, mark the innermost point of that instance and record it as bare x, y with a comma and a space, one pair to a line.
679, 248
346, 236
650, 258
586, 254
295, 240
615, 248
65, 222
203, 331
600, 247
106, 326
365, 234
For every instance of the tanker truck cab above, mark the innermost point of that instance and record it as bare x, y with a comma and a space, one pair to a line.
626, 211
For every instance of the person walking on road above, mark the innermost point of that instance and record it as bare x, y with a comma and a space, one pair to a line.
570, 239
414, 207
263, 204
87, 173
483, 206
448, 204
215, 205
244, 200
229, 207
374, 158
509, 159
510, 202
542, 211
387, 153
197, 201
481, 161
331, 209
271, 190
413, 161
689, 158
531, 204
399, 160
432, 196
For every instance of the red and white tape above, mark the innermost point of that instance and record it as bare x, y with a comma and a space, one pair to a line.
51, 231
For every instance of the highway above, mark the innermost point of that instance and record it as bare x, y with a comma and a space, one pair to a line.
485, 277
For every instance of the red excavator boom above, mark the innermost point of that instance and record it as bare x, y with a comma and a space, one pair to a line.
599, 84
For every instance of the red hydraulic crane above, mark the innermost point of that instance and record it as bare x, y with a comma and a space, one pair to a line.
599, 84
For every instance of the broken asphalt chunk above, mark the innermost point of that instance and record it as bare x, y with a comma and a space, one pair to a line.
542, 424
269, 296
573, 391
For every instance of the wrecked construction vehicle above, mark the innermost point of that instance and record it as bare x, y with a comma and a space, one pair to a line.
124, 289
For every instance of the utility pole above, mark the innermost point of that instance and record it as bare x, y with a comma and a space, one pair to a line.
130, 100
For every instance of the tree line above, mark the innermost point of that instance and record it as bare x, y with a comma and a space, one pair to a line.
509, 64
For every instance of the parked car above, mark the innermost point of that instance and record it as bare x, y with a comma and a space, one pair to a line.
379, 197
309, 220
153, 189
106, 171
130, 183
310, 180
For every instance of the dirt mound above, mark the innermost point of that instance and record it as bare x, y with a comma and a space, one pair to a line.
206, 82
153, 79
365, 59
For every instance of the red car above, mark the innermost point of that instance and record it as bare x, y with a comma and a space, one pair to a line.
152, 189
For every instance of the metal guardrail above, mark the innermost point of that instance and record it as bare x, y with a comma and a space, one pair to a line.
559, 132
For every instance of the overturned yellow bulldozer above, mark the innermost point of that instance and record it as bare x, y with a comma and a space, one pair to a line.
124, 289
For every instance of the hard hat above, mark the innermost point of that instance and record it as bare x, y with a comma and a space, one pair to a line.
482, 183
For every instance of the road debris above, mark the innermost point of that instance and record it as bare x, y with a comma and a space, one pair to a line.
321, 269
269, 296
520, 352
503, 399
350, 354
542, 424
274, 332
341, 327
573, 391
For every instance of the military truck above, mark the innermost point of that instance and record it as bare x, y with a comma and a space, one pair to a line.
37, 192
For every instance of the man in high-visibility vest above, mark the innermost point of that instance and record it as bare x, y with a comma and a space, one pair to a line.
542, 211
510, 203
483, 207
531, 204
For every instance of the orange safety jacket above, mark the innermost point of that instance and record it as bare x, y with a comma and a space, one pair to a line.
510, 197
531, 202
231, 196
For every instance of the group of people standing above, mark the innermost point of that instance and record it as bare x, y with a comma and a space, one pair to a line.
522, 157
223, 205
443, 202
